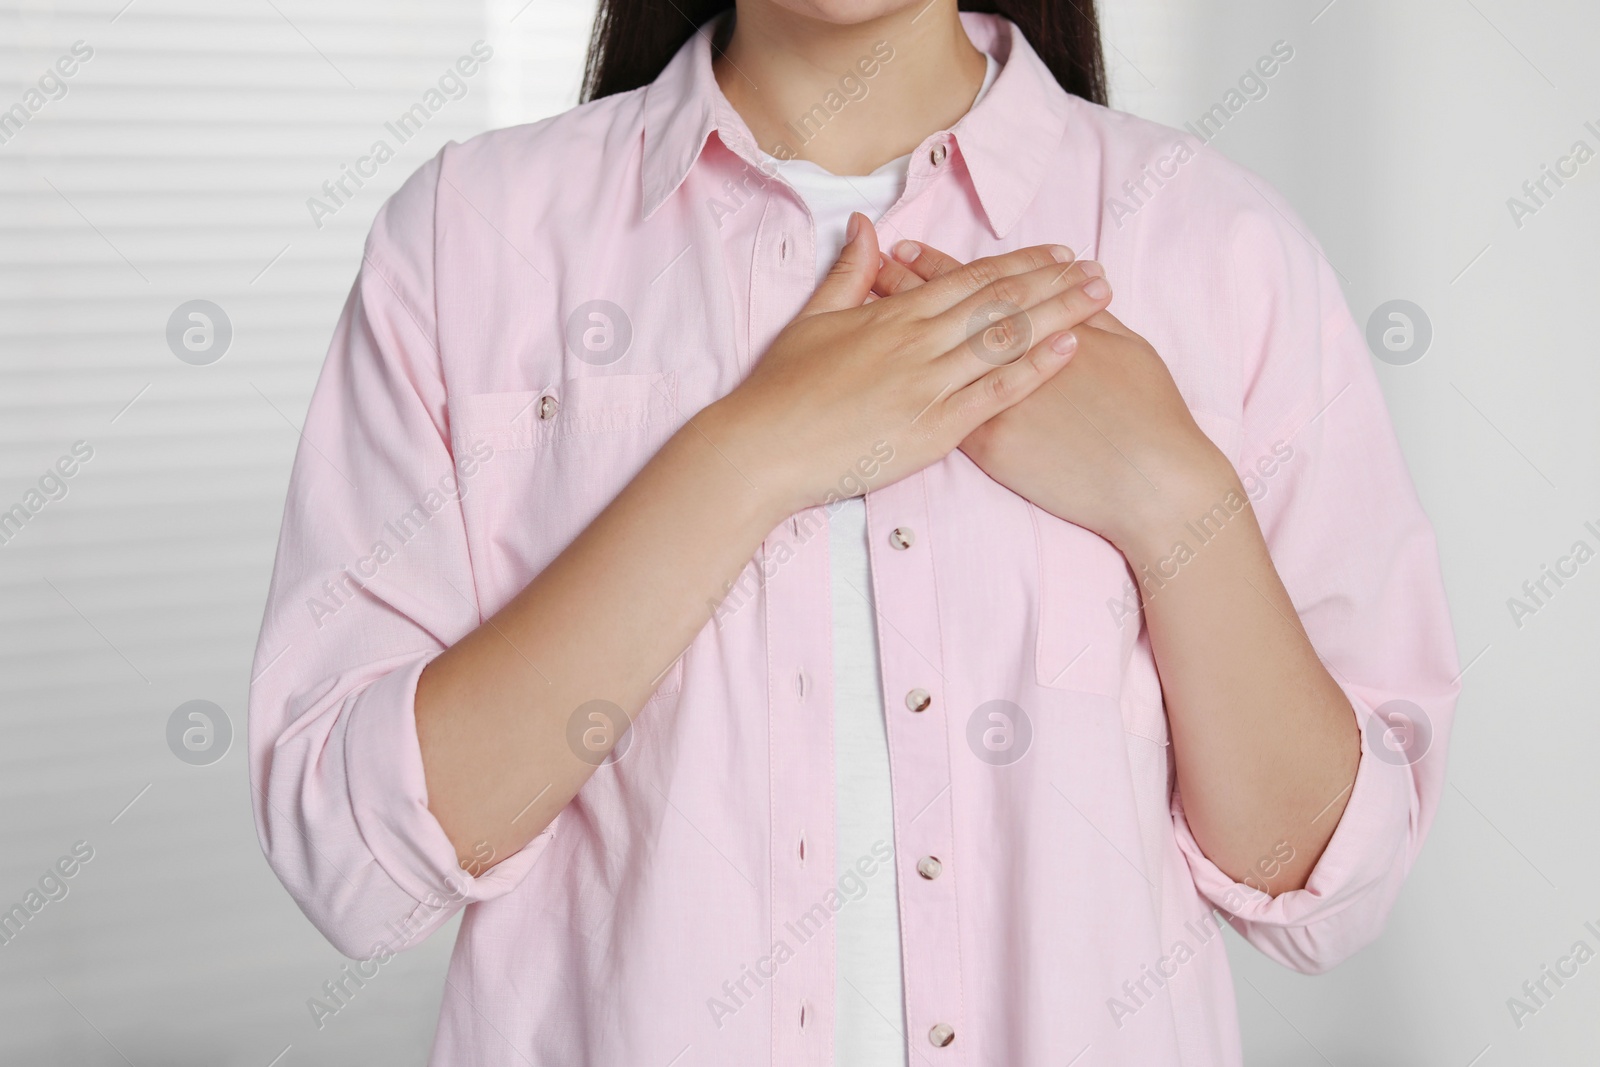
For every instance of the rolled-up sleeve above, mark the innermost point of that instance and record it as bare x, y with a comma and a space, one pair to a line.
1358, 557
373, 579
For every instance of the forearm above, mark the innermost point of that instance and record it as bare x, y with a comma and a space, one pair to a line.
1264, 741
602, 622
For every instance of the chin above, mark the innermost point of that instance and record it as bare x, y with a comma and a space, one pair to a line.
847, 12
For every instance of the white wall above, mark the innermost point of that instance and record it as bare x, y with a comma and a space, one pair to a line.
178, 167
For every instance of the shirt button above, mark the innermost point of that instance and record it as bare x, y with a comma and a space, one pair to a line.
902, 537
918, 700
547, 408
937, 153
942, 1034
930, 867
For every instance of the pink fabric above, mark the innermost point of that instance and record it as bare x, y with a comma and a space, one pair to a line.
679, 910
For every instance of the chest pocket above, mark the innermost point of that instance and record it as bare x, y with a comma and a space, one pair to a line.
1090, 625
1087, 607
548, 462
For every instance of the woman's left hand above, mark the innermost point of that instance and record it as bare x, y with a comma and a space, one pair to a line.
1108, 444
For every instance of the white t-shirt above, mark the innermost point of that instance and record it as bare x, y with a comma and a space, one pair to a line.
868, 997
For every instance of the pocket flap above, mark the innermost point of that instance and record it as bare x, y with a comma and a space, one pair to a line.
530, 419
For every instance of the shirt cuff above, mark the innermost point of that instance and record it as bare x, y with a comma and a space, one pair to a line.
389, 800
1367, 850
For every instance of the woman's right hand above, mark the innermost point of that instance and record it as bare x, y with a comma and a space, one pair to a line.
908, 376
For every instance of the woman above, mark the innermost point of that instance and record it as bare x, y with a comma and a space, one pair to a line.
978, 650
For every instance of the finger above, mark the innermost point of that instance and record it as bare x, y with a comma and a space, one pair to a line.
1002, 317
1005, 386
996, 334
850, 278
893, 278
913, 262
926, 261
961, 281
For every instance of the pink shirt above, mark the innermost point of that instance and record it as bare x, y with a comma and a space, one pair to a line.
681, 909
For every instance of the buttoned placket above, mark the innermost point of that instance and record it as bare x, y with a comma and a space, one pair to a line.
796, 565
921, 724
795, 569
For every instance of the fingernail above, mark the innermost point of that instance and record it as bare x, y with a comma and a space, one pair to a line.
852, 228
1065, 343
1061, 253
1097, 289
906, 251
1092, 269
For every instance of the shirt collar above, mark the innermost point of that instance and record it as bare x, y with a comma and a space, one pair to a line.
1006, 141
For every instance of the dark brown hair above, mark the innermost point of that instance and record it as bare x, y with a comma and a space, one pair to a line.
633, 40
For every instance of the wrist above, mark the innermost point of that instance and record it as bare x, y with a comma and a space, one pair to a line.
738, 447
1196, 502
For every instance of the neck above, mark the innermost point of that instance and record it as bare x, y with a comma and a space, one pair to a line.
803, 85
